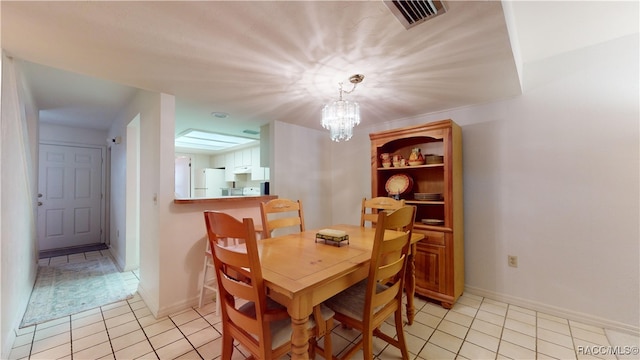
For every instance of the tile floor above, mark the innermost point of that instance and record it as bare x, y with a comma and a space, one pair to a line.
476, 328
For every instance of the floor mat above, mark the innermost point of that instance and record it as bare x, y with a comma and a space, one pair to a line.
72, 250
69, 288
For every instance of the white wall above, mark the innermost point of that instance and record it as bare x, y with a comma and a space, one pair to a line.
117, 183
72, 135
551, 176
302, 169
148, 106
184, 250
18, 181
123, 230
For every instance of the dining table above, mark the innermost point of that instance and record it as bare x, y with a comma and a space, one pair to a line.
301, 271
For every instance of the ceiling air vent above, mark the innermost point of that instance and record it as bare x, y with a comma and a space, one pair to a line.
414, 12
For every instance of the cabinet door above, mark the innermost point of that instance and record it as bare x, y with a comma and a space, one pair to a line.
430, 265
242, 157
257, 172
246, 157
229, 167
219, 161
238, 161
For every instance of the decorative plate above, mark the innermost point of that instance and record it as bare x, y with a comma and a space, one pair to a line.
399, 184
432, 221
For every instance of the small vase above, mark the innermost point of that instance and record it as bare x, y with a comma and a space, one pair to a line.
416, 157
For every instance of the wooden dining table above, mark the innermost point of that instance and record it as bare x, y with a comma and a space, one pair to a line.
300, 272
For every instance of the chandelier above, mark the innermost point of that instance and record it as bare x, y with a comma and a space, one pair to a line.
341, 116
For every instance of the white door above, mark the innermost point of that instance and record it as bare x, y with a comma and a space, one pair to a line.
183, 177
70, 196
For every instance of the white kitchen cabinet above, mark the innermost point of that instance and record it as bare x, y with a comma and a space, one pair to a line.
242, 157
229, 167
258, 173
246, 157
219, 161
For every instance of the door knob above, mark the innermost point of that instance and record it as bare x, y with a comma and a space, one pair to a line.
39, 203
39, 195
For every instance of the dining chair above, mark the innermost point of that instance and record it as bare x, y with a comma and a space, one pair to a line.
371, 208
260, 324
281, 213
366, 305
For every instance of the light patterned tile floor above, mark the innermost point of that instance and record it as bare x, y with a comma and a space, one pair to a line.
475, 328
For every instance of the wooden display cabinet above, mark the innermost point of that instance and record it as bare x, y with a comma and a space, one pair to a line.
439, 258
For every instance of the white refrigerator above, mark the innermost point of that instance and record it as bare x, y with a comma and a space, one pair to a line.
208, 183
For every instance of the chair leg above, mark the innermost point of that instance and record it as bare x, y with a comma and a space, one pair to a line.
328, 344
367, 344
400, 331
204, 281
227, 346
313, 344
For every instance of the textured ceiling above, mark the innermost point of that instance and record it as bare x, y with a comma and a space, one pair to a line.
261, 61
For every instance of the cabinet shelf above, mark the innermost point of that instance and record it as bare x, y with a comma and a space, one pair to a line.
421, 226
421, 202
426, 166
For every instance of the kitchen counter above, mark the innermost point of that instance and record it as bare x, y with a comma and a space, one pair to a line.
226, 199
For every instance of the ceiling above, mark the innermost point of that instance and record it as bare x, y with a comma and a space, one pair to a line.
282, 60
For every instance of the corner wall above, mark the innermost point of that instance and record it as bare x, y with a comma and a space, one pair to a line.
18, 187
303, 170
147, 106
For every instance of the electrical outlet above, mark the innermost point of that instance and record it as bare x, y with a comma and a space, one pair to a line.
512, 261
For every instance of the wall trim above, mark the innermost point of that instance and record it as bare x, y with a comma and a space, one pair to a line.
146, 297
556, 311
179, 307
168, 310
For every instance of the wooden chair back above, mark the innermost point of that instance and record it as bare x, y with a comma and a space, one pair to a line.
240, 282
366, 305
371, 208
281, 213
387, 270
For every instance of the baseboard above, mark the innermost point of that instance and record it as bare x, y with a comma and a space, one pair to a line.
556, 311
9, 336
159, 312
117, 260
149, 301
178, 307
6, 344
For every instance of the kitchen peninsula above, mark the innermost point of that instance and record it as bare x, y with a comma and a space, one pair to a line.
186, 244
237, 206
227, 200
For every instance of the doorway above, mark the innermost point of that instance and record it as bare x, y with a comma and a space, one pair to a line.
183, 177
132, 196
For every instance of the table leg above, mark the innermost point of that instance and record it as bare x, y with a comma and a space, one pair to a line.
299, 338
410, 284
